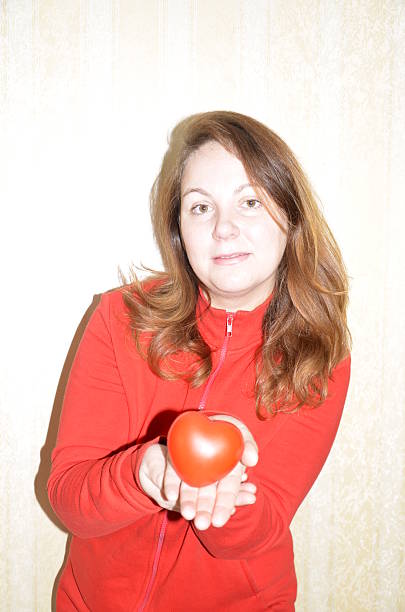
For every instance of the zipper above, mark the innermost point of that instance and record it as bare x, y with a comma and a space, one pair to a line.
228, 334
202, 404
148, 591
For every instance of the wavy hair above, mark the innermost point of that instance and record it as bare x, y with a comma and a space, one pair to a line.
305, 332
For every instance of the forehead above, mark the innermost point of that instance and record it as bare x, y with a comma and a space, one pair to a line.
212, 163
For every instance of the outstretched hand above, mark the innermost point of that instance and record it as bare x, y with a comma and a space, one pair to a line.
209, 505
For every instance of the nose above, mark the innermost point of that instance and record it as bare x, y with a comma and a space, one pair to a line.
225, 227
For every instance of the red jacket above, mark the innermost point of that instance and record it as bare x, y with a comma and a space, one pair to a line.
127, 553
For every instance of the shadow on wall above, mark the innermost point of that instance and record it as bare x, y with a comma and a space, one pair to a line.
44, 468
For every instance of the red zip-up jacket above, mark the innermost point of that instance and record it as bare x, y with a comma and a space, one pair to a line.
126, 552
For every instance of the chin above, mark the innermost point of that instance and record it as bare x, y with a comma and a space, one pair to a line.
232, 287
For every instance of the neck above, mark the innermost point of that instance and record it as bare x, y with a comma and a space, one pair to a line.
235, 303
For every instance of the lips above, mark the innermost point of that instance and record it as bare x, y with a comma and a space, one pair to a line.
230, 258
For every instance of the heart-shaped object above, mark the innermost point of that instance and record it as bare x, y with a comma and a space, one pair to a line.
203, 451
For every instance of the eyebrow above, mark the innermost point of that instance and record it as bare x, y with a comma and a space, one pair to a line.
206, 193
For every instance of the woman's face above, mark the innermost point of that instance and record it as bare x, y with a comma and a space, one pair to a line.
233, 243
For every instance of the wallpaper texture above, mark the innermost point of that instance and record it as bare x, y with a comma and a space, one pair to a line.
88, 93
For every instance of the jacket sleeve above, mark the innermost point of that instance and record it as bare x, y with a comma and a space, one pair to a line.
93, 485
287, 468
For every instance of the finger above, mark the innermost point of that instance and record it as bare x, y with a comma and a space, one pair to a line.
246, 495
151, 474
245, 498
227, 491
171, 482
205, 506
249, 487
188, 501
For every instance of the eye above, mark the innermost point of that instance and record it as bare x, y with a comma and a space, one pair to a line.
251, 204
200, 209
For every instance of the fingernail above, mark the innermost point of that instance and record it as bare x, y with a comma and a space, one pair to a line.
171, 495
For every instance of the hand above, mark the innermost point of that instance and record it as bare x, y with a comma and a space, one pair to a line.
213, 504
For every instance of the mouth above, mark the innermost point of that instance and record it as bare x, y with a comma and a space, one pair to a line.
231, 258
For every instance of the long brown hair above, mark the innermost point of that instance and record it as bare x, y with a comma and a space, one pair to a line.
305, 332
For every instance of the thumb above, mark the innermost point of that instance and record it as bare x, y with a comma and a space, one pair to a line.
250, 454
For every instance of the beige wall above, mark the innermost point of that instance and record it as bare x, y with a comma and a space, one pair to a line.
88, 92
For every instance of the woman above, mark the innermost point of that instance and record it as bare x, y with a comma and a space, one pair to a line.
248, 322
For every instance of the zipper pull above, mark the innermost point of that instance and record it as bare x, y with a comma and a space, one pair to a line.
229, 323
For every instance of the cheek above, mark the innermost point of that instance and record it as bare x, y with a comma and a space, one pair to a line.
271, 239
186, 235
193, 242
281, 240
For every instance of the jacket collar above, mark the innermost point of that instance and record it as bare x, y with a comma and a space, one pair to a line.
246, 324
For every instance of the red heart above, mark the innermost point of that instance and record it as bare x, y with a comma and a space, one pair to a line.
203, 451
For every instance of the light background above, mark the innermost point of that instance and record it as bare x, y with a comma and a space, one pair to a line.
88, 93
